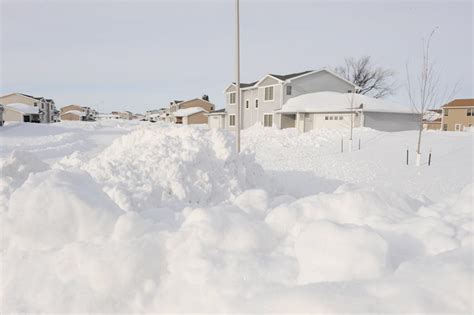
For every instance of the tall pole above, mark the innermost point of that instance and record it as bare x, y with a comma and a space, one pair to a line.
237, 70
352, 119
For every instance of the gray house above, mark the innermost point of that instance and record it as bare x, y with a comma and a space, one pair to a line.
261, 99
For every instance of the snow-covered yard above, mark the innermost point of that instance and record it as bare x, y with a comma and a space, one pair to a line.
119, 216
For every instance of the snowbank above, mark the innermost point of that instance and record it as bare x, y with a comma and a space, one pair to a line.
161, 166
205, 232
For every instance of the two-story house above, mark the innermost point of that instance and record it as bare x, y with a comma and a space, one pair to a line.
458, 115
260, 99
77, 112
46, 107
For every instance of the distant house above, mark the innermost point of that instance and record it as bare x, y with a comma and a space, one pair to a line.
458, 115
103, 116
47, 112
138, 117
126, 115
432, 119
155, 115
21, 113
335, 110
190, 112
77, 112
260, 99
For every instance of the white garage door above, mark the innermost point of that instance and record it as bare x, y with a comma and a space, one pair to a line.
215, 121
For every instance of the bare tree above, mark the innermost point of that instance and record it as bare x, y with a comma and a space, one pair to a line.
374, 81
424, 94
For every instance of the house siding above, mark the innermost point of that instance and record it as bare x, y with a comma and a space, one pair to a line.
457, 116
391, 121
198, 118
12, 115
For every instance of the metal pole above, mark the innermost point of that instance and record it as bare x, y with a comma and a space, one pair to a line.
407, 155
237, 80
429, 158
359, 143
342, 144
352, 118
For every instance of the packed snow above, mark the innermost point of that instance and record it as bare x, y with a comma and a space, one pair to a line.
23, 108
340, 102
185, 112
129, 217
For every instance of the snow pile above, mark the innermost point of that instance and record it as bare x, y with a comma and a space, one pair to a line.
185, 112
206, 234
160, 166
23, 108
340, 102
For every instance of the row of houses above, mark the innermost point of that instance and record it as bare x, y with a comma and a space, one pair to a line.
21, 107
188, 112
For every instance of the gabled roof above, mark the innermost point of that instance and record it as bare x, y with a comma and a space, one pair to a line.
195, 99
466, 102
30, 96
284, 77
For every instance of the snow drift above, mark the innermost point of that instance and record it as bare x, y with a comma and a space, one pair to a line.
162, 166
203, 231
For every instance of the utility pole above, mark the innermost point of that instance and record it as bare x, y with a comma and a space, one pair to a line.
237, 69
352, 119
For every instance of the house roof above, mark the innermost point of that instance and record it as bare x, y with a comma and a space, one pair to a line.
432, 116
285, 77
74, 112
194, 99
185, 112
31, 96
466, 102
217, 112
23, 108
325, 102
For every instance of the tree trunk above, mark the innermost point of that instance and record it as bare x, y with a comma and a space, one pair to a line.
418, 148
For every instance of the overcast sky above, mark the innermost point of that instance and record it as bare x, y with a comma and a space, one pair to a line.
139, 55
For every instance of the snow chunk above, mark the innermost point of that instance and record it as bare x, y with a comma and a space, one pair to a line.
332, 252
54, 208
23, 108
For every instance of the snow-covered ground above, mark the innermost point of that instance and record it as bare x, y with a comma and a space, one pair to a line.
119, 216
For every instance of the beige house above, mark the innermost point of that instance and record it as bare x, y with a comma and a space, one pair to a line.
46, 108
458, 115
191, 112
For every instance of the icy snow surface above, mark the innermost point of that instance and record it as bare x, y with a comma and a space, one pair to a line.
124, 216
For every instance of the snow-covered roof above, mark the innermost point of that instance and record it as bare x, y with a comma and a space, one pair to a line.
75, 112
23, 108
185, 112
432, 116
340, 102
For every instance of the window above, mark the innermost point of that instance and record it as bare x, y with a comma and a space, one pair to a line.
446, 112
445, 127
326, 118
340, 117
470, 112
231, 120
268, 93
331, 117
267, 120
247, 104
288, 90
256, 103
232, 98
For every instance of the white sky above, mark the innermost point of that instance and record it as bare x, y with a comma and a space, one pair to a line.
138, 55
